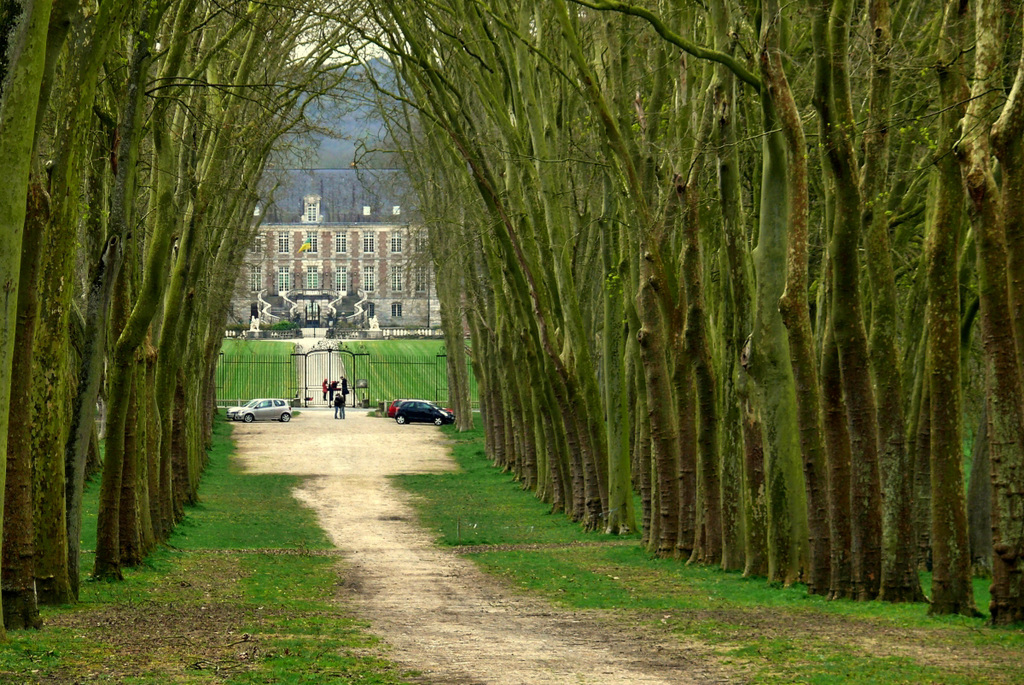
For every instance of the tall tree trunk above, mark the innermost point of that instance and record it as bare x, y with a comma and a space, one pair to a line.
23, 34
768, 360
180, 469
660, 412
979, 502
130, 534
54, 381
19, 555
101, 289
952, 591
20, 609
795, 311
769, 365
621, 518
755, 505
923, 475
108, 563
836, 113
699, 354
837, 439
737, 325
899, 581
1001, 333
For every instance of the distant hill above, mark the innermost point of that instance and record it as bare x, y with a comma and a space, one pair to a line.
344, 131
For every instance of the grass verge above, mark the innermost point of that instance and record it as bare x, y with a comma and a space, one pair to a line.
759, 632
246, 591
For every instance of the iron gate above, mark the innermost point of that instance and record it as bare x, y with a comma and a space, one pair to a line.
371, 378
316, 366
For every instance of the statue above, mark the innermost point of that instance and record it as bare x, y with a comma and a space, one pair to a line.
374, 326
254, 324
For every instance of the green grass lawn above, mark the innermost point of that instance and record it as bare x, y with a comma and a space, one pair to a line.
255, 368
393, 369
401, 369
246, 591
766, 633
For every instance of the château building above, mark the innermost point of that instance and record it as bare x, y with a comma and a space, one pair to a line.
337, 246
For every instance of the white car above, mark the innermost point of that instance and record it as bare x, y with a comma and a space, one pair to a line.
264, 409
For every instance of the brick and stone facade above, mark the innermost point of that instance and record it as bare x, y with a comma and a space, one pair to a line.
338, 244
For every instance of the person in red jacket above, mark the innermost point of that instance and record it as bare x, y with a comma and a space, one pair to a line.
325, 389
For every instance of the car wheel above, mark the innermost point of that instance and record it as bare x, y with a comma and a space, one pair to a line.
438, 421
400, 419
248, 418
285, 418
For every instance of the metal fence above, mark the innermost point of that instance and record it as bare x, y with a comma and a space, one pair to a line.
371, 378
396, 377
442, 392
240, 379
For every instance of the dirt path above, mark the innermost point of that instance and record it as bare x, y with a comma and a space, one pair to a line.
443, 617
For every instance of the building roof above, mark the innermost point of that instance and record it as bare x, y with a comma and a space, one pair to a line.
343, 195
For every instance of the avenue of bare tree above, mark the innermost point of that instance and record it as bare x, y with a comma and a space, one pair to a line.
761, 263
132, 138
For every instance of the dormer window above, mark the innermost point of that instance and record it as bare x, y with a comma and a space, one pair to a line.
312, 213
366, 210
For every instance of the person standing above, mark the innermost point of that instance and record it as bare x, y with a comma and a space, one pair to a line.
324, 386
331, 389
344, 390
339, 406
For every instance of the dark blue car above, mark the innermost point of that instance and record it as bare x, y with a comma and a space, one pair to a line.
418, 411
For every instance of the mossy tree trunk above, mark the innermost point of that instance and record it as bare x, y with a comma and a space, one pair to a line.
23, 45
20, 609
795, 311
991, 207
835, 110
952, 591
735, 314
54, 380
768, 361
899, 580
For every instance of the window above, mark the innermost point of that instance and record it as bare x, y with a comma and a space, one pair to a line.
312, 214
366, 210
369, 278
312, 278
421, 243
282, 242
341, 278
284, 279
396, 243
257, 244
312, 239
370, 309
256, 278
421, 279
396, 277
396, 310
369, 241
396, 210
341, 242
